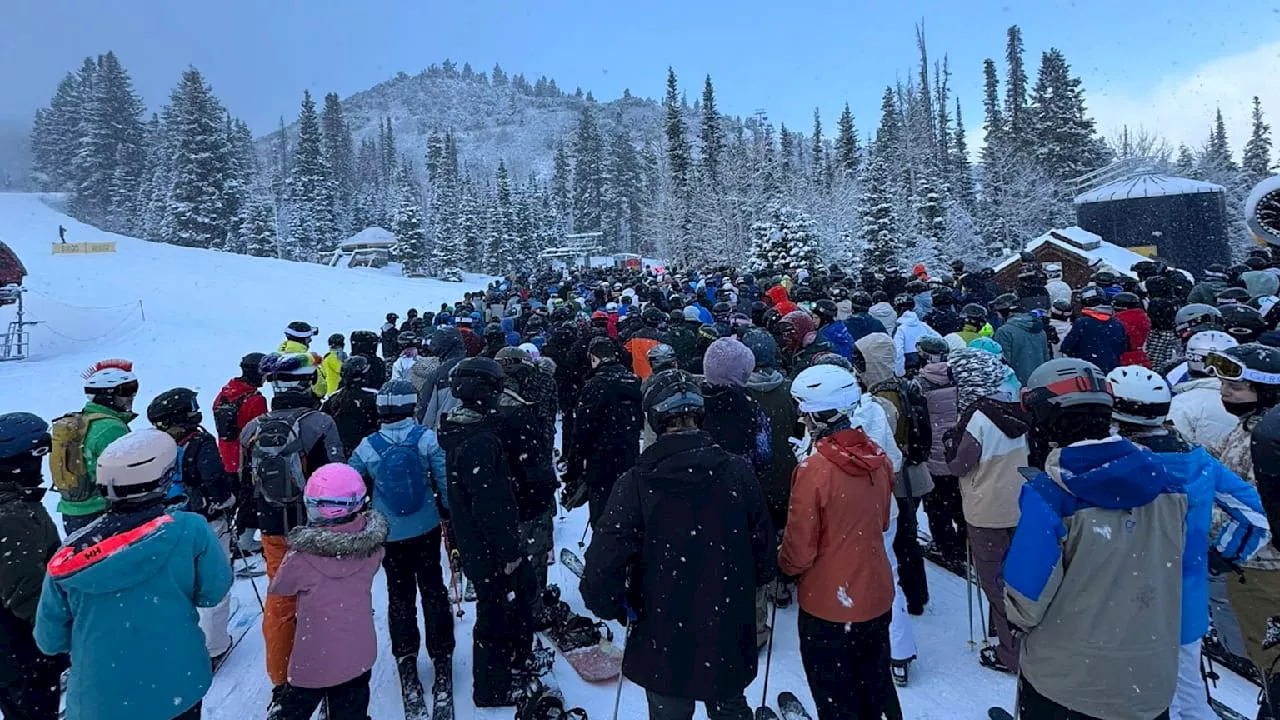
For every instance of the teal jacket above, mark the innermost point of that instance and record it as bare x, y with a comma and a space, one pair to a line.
125, 609
100, 434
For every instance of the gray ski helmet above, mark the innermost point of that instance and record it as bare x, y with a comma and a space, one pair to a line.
508, 356
396, 399
661, 357
1064, 383
1197, 317
671, 394
23, 435
763, 347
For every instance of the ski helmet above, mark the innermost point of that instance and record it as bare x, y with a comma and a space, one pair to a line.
1197, 317
860, 300
1243, 323
24, 440
1053, 270
763, 347
943, 297
652, 316
825, 387
354, 371
603, 348
408, 339
334, 494
675, 317
337, 340
300, 331
1005, 303
671, 394
661, 357
974, 314
392, 317
825, 309
1232, 296
289, 371
476, 381
1262, 210
364, 342
396, 400
110, 381
249, 368
494, 331
691, 315
1253, 362
1142, 397
904, 303
511, 356
1065, 383
1126, 300
176, 408
1203, 343
138, 468
932, 349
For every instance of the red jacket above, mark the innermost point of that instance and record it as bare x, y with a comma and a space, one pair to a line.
253, 406
473, 342
1137, 325
781, 299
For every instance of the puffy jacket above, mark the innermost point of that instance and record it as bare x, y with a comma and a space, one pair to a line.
31, 539
252, 404
863, 324
886, 315
940, 392
1094, 578
638, 347
990, 450
332, 367
390, 340
330, 570
1058, 290
910, 330
482, 501
1137, 326
1261, 283
836, 334
368, 463
321, 386
834, 542
435, 398
781, 299
124, 606
1023, 343
1198, 414
100, 433
355, 411
606, 428
1097, 336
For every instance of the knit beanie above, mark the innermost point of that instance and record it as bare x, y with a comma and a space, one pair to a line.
728, 362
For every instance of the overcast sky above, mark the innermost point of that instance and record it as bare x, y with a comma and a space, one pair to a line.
1160, 63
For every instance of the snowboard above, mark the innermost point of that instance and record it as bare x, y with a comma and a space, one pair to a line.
599, 663
791, 707
999, 713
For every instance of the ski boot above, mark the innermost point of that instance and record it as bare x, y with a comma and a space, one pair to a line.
901, 670
782, 596
987, 658
415, 703
442, 690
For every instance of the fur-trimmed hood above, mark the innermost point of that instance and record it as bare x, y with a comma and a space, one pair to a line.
330, 545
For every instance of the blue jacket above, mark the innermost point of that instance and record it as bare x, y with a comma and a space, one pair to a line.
125, 608
367, 462
509, 328
862, 324
1098, 340
704, 315
837, 334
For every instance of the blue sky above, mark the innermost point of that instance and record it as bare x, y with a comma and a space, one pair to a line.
786, 58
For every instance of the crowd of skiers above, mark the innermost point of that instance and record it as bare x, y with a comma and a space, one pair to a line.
1101, 460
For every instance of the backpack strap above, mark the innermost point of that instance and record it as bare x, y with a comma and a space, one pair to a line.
379, 443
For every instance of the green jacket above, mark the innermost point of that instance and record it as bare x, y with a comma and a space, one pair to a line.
101, 433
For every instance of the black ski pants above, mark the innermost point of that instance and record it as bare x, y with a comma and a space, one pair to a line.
663, 707
847, 665
946, 518
348, 701
34, 695
503, 634
906, 547
413, 566
1034, 706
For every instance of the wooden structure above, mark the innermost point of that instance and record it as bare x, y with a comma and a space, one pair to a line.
12, 271
1079, 252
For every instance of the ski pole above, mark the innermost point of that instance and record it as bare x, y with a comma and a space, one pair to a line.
248, 570
582, 542
617, 696
768, 656
968, 584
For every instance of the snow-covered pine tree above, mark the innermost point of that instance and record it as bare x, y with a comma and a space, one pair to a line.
562, 188
109, 160
784, 238
848, 154
339, 151
55, 135
879, 221
588, 173
153, 194
1015, 98
678, 154
312, 228
1257, 152
817, 153
624, 201
961, 181
1061, 136
786, 154
195, 210
411, 240
471, 228
242, 171
712, 133
258, 227
1185, 165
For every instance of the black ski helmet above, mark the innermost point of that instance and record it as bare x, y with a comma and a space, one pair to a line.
175, 408
337, 340
672, 394
1244, 323
392, 317
408, 339
24, 440
652, 316
1126, 300
825, 309
249, 368
1092, 296
476, 381
364, 342
904, 303
943, 297
975, 314
1232, 295
494, 331
1005, 303
1254, 363
354, 370
860, 300
661, 357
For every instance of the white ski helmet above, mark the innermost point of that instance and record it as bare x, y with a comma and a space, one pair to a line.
111, 378
825, 387
1142, 397
138, 467
1203, 343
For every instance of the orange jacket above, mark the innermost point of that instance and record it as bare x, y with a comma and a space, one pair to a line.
834, 539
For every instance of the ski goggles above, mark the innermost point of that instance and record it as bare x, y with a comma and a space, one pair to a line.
1089, 383
1228, 368
331, 509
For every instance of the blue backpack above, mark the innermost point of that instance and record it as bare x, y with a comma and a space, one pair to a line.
401, 480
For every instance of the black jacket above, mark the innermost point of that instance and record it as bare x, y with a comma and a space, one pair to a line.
30, 540
377, 376
559, 347
482, 501
355, 411
606, 428
688, 525
204, 477
390, 341
736, 422
683, 339
1265, 450
528, 450
536, 384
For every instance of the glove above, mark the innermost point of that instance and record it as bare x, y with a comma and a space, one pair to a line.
574, 494
1219, 565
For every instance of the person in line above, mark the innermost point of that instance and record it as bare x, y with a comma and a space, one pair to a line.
943, 506
1096, 336
639, 571
435, 399
297, 340
1196, 410
121, 595
331, 365
1021, 335
390, 331
111, 388
353, 406
237, 403
329, 574
840, 504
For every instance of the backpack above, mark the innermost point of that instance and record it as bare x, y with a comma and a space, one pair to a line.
276, 459
66, 458
226, 417
914, 407
401, 478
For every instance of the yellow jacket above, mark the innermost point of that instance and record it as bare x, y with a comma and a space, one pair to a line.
321, 386
331, 368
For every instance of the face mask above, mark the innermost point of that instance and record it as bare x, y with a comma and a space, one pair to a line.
1240, 409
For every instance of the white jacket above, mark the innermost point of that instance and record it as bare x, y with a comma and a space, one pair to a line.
1058, 290
910, 329
1198, 414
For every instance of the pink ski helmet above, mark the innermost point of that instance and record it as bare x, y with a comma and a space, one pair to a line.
333, 494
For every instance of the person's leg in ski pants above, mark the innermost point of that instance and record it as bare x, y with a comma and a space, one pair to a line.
910, 558
348, 701
538, 538
1189, 701
902, 638
990, 546
662, 707
191, 714
847, 665
213, 621
34, 696
503, 634
279, 616
1034, 706
413, 567
946, 517
1254, 602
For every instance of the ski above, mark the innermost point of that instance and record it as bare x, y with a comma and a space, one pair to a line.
412, 693
999, 713
791, 707
570, 560
442, 693
1224, 712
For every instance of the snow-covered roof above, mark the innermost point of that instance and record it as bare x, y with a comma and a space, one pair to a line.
370, 236
1147, 186
1084, 244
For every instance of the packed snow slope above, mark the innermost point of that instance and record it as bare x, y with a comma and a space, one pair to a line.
204, 310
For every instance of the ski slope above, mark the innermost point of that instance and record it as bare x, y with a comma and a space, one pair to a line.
204, 310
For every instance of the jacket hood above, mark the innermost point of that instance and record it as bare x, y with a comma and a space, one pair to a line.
1101, 313
1201, 383
1026, 321
851, 451
778, 294
1008, 417
681, 462
880, 355
545, 364
331, 548
885, 313
938, 375
765, 380
446, 344
1114, 473
909, 319
461, 423
136, 555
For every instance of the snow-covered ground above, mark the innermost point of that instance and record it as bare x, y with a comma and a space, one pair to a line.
204, 310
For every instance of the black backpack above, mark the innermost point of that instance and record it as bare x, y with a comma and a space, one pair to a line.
276, 458
915, 409
226, 417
